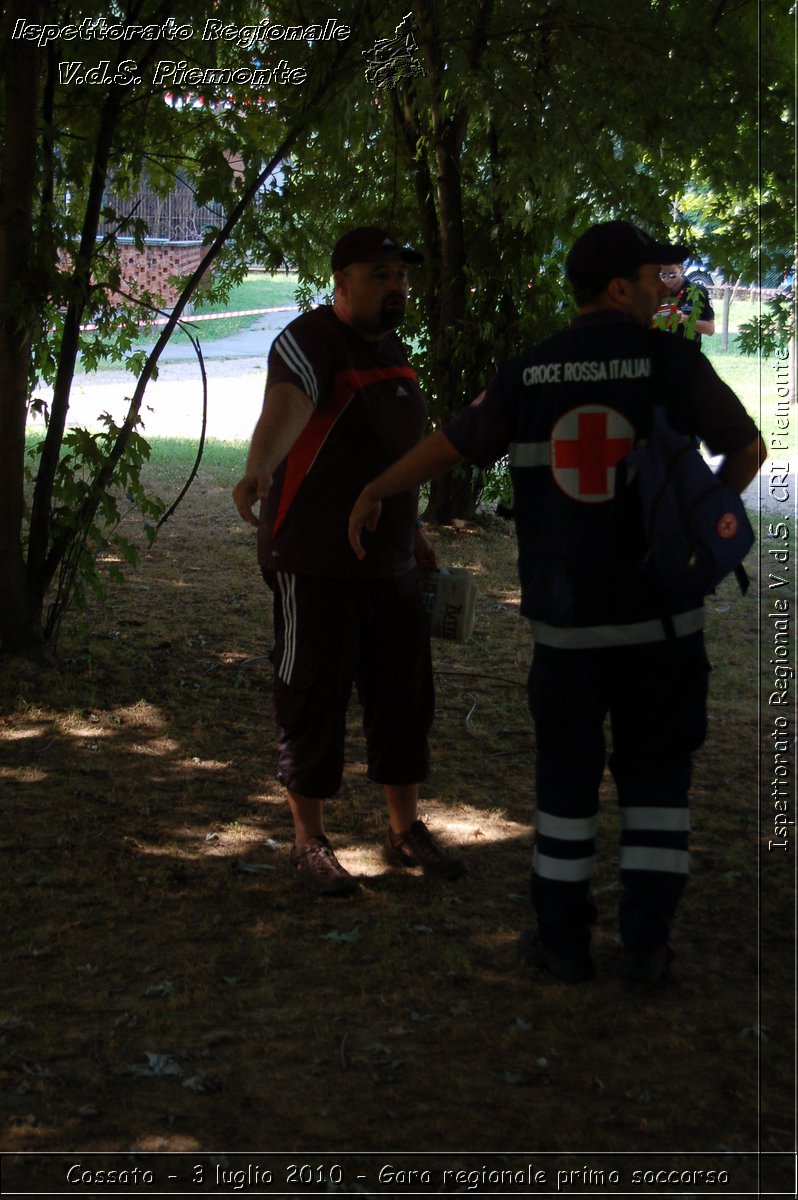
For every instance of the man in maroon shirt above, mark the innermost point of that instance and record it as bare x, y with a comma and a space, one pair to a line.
342, 403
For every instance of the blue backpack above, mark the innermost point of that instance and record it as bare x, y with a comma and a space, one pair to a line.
696, 526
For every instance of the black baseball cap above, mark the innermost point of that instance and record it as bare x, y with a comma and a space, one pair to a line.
615, 248
368, 243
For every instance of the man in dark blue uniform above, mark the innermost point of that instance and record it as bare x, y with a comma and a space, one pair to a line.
567, 412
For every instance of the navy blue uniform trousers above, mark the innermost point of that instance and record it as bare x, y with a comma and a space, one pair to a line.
655, 695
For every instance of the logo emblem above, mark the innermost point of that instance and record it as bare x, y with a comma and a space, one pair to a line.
586, 444
727, 526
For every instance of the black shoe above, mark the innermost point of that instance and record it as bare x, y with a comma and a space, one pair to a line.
647, 966
576, 968
316, 866
416, 847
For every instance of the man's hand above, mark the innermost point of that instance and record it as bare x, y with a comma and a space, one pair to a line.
364, 515
426, 559
429, 458
249, 491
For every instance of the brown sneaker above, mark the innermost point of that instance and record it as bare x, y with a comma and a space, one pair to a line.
316, 866
416, 847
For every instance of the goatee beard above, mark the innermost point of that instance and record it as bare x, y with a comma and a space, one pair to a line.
391, 315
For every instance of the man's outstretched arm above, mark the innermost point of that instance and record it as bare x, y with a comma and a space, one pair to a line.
285, 413
434, 456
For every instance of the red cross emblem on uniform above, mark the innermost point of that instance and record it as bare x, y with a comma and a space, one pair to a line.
586, 444
727, 525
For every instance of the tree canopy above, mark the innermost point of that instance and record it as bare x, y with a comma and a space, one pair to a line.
508, 127
92, 103
530, 122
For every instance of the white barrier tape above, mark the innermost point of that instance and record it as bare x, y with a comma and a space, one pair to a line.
244, 312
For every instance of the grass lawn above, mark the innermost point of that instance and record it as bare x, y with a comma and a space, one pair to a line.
256, 291
750, 376
753, 379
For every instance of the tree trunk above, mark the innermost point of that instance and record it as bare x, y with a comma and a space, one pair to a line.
24, 584
20, 609
44, 558
453, 496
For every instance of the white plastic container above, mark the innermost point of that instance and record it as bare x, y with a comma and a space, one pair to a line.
450, 598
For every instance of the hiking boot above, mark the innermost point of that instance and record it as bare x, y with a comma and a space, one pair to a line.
316, 866
647, 966
577, 968
416, 847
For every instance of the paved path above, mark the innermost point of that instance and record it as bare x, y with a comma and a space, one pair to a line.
253, 342
236, 371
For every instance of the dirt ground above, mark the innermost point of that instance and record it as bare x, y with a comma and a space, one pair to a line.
176, 1002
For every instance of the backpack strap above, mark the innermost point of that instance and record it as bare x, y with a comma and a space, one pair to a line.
668, 626
741, 575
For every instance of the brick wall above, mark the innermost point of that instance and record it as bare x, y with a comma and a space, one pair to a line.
150, 268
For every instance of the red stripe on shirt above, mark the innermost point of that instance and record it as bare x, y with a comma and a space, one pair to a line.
306, 449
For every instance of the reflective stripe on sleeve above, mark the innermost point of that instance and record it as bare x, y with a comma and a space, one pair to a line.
530, 454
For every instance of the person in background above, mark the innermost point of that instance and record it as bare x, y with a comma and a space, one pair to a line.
685, 296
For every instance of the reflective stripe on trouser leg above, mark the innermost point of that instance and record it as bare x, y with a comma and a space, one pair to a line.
562, 872
654, 736
565, 847
569, 764
654, 865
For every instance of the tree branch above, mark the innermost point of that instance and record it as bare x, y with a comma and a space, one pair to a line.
102, 480
70, 341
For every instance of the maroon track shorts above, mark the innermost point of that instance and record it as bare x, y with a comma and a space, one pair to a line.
329, 634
